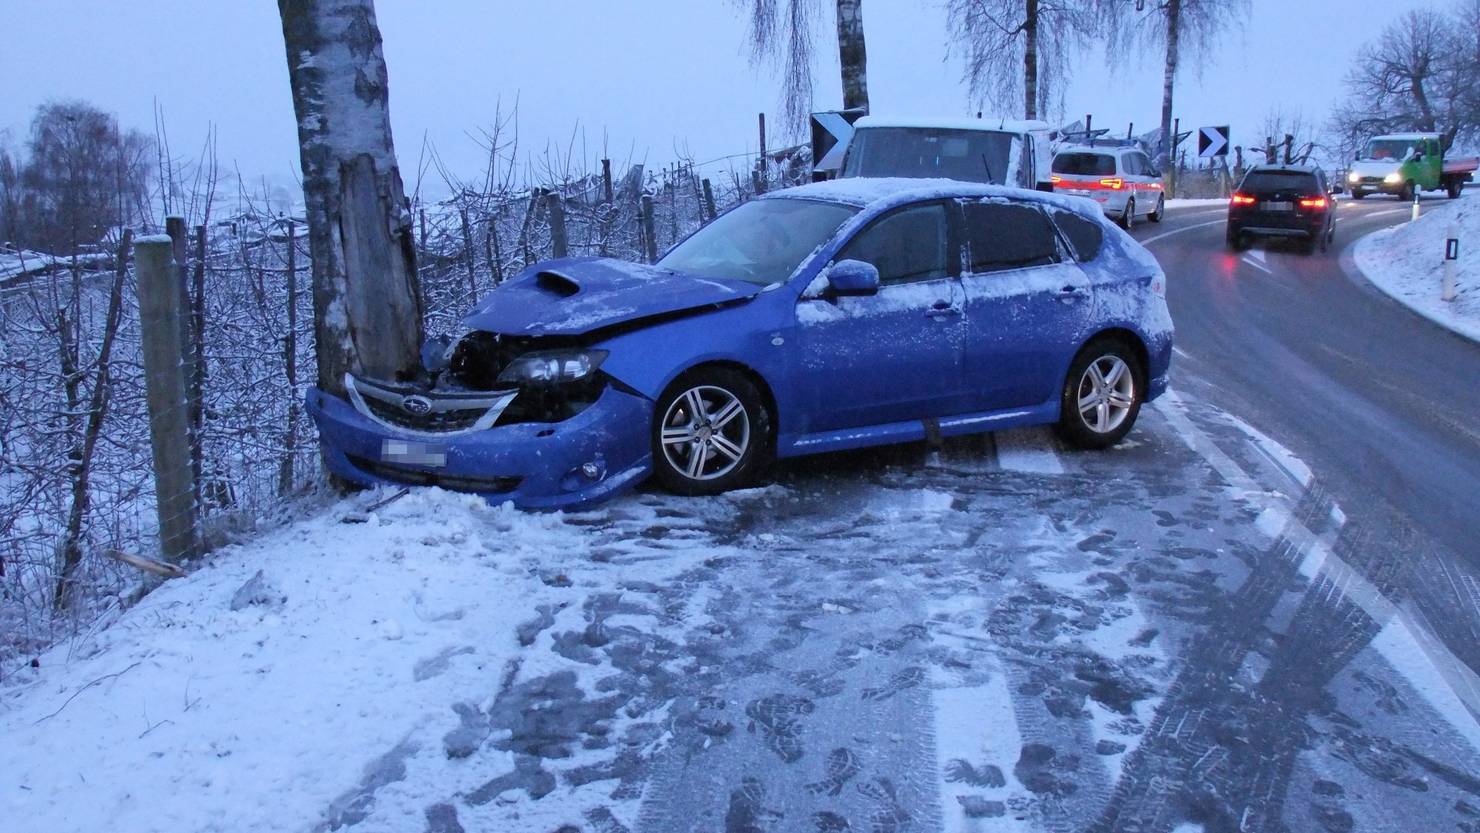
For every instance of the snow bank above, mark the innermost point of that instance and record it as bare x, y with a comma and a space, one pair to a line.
251, 694
1407, 262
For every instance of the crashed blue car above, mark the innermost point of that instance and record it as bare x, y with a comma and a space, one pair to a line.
825, 317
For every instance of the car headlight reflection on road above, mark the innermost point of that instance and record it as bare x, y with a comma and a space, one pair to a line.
552, 366
1392, 178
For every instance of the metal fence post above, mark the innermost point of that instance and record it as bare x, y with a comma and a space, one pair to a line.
161, 332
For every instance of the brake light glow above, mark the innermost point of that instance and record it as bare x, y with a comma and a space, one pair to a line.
1242, 199
1314, 202
1055, 179
1113, 183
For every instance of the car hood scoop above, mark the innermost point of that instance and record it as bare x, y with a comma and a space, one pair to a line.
573, 296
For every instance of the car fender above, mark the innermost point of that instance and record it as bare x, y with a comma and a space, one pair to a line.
751, 335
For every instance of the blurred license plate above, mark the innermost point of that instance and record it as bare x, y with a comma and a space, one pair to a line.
1278, 206
413, 453
1078, 192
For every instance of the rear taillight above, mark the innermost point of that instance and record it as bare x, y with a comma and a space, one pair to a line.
1313, 202
1113, 183
1242, 199
1056, 179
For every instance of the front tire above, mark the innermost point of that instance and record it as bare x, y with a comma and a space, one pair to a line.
1453, 187
1408, 192
712, 432
1359, 194
1102, 394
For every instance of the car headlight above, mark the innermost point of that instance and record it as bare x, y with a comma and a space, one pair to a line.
1353, 177
549, 367
1392, 178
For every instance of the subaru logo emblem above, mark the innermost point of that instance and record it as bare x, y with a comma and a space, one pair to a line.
416, 405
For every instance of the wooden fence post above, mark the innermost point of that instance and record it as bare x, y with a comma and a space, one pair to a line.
189, 359
467, 233
709, 200
650, 240
161, 333
555, 209
290, 367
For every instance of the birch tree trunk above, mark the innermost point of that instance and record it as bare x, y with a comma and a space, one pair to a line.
1030, 60
1174, 26
367, 317
852, 57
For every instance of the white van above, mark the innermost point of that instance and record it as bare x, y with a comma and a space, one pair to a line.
996, 151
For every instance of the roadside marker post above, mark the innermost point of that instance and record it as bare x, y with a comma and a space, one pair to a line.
1451, 264
1415, 206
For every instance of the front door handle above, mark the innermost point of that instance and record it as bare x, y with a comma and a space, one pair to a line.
942, 309
1072, 293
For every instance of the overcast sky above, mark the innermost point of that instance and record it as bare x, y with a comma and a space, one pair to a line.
645, 76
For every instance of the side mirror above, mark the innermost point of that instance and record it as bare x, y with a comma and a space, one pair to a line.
434, 353
852, 277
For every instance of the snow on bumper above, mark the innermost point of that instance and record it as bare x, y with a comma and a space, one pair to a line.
535, 465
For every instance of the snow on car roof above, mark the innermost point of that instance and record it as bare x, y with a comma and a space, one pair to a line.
1407, 136
885, 192
1107, 149
1010, 125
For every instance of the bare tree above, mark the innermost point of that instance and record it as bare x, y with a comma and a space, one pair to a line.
785, 29
1008, 42
367, 317
1181, 28
1414, 76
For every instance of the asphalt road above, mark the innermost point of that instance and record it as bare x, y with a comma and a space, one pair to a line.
1383, 405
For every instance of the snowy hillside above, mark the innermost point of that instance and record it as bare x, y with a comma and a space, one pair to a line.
1407, 262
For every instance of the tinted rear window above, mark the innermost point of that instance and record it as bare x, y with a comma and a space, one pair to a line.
1005, 236
1084, 164
1264, 182
1084, 236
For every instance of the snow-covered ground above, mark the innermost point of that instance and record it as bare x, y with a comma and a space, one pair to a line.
1000, 635
1407, 262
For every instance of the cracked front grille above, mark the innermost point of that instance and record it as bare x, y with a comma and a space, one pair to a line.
415, 410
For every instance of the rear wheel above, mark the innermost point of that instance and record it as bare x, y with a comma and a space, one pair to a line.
1128, 217
1102, 394
1161, 207
712, 432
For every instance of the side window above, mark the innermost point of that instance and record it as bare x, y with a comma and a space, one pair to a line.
1008, 236
1130, 164
1144, 164
906, 246
1085, 236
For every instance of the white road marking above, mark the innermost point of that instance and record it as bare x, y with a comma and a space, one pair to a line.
1449, 686
1029, 450
1180, 352
1257, 263
1155, 237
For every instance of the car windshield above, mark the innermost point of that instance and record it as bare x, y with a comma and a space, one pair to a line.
1084, 164
1396, 149
919, 152
762, 241
1264, 182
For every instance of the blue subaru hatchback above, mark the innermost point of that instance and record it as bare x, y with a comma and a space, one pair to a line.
825, 317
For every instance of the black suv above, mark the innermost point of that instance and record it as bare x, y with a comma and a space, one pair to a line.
1290, 201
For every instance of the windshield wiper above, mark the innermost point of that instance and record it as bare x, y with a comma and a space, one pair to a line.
988, 166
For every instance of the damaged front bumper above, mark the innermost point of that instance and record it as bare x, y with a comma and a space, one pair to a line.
600, 452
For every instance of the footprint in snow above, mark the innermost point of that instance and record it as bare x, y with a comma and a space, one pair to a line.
842, 765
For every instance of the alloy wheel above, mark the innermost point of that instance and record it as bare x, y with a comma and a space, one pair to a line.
1107, 392
705, 432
